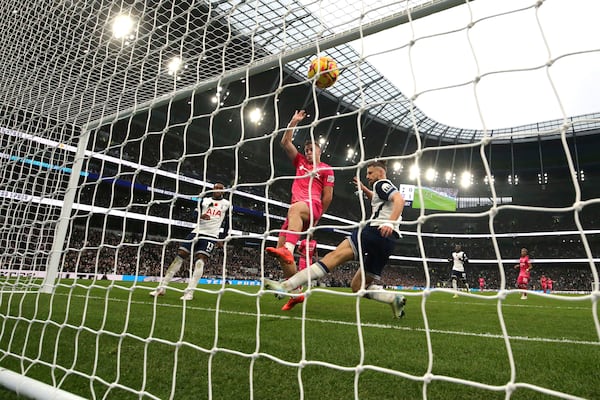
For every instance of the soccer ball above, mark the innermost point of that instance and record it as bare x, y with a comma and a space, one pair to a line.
326, 70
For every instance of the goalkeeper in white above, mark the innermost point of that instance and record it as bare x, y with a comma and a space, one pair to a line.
212, 213
375, 240
458, 259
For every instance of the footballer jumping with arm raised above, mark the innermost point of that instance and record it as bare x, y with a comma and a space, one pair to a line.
312, 192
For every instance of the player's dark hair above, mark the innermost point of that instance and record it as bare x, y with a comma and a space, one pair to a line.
377, 163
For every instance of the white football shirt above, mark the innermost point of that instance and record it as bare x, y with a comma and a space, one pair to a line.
217, 210
382, 204
459, 259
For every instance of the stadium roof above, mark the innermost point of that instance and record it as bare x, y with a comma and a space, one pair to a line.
97, 80
366, 85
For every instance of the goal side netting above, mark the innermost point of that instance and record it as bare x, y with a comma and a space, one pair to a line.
117, 120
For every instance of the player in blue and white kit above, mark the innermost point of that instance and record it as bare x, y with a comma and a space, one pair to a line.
375, 241
212, 213
458, 260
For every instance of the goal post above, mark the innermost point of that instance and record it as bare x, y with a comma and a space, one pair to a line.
64, 220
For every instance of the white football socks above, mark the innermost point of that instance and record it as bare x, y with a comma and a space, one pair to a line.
172, 270
312, 273
198, 271
290, 246
382, 297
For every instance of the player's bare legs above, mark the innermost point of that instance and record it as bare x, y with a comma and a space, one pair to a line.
356, 283
298, 213
340, 255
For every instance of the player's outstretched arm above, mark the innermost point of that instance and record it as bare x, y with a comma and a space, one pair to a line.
286, 140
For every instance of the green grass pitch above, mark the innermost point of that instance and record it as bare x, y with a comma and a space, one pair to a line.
229, 342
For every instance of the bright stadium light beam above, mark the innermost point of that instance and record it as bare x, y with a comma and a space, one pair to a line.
174, 65
255, 115
413, 172
430, 174
122, 26
465, 179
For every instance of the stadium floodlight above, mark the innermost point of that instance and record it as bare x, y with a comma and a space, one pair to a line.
397, 167
431, 174
466, 179
487, 180
349, 154
122, 26
413, 172
255, 115
322, 141
174, 65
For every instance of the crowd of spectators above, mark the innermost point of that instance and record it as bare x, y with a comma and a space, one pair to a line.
92, 250
95, 251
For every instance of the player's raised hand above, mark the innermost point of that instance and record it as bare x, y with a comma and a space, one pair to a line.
299, 115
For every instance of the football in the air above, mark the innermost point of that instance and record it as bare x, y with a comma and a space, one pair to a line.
326, 71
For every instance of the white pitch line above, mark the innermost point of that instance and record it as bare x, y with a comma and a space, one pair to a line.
366, 325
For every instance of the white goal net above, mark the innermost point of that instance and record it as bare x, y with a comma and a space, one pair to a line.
118, 120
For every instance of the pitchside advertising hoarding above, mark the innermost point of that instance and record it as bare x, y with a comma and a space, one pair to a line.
434, 198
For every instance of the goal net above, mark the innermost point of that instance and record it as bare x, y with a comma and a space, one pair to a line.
118, 118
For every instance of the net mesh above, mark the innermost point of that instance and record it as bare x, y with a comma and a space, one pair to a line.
111, 136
